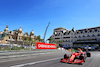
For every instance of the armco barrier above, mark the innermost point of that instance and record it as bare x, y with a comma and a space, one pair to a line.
26, 53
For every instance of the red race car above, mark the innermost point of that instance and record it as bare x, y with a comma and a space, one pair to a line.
77, 57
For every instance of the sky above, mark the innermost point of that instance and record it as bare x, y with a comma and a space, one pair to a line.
36, 14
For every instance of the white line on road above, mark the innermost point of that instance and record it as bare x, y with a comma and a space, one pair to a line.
32, 63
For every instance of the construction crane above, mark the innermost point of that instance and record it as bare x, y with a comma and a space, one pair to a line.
45, 32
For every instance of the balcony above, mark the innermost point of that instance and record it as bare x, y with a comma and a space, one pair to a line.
88, 38
11, 39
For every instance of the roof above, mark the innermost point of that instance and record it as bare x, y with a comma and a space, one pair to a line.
89, 28
60, 28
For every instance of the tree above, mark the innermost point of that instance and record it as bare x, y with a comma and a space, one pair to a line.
39, 38
24, 40
60, 42
34, 42
51, 40
30, 40
15, 30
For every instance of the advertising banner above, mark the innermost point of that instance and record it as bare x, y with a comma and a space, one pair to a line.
41, 45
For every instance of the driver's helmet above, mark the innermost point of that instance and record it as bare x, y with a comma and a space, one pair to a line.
77, 51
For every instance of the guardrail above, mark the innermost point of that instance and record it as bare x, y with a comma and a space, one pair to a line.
16, 54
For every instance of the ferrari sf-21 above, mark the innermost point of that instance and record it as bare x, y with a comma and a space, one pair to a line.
78, 57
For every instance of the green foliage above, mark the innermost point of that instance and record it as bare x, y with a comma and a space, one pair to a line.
73, 50
34, 41
39, 38
30, 39
25, 38
16, 48
15, 30
5, 48
51, 40
60, 41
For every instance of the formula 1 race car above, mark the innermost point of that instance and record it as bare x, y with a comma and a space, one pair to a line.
77, 57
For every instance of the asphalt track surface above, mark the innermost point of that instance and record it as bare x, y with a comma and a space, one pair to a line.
52, 60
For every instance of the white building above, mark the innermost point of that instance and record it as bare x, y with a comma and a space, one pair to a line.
77, 38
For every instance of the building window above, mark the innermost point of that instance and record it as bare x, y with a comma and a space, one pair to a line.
77, 32
63, 41
65, 37
95, 30
9, 37
79, 36
65, 33
61, 31
90, 30
83, 36
57, 38
98, 34
85, 31
71, 40
93, 35
81, 31
58, 34
75, 36
19, 37
55, 34
98, 39
88, 36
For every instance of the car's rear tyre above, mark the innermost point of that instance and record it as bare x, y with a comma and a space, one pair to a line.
88, 54
65, 56
81, 63
80, 57
62, 59
84, 60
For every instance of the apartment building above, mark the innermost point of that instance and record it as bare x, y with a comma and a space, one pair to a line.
77, 38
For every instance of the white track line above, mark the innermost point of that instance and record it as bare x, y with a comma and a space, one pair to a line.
32, 63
